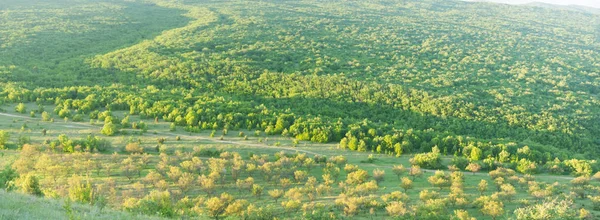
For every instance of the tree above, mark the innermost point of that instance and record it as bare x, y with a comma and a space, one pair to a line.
553, 208
527, 167
431, 160
155, 203
4, 137
397, 209
216, 206
399, 170
357, 177
415, 171
46, 116
109, 129
461, 214
21, 108
378, 175
482, 186
476, 154
507, 192
493, 209
81, 192
406, 184
473, 167
276, 194
129, 169
439, 179
134, 148
29, 184
7, 175
185, 182
257, 190
300, 175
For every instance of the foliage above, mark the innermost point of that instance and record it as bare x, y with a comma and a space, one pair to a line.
28, 184
431, 160
4, 137
552, 208
7, 175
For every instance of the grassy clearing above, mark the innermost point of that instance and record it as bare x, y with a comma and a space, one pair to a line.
184, 150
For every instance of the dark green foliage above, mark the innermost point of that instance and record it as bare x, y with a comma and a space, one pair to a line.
377, 76
7, 175
459, 162
205, 152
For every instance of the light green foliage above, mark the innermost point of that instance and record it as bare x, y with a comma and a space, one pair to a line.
21, 108
156, 202
527, 167
431, 160
109, 129
28, 184
552, 208
4, 137
503, 86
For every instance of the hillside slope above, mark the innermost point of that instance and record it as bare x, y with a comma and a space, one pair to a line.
20, 206
384, 76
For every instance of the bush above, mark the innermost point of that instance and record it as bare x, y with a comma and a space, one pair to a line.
154, 203
20, 108
4, 136
78, 118
109, 129
80, 192
28, 184
7, 175
134, 148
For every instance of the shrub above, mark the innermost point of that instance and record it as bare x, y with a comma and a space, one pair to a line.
156, 202
4, 136
109, 129
134, 148
7, 175
21, 108
80, 192
28, 184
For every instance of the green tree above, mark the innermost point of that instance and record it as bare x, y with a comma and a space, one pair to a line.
4, 137
109, 129
21, 108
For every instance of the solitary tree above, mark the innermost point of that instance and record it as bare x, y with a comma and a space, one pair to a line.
493, 209
482, 187
378, 175
276, 194
109, 129
473, 167
399, 170
406, 184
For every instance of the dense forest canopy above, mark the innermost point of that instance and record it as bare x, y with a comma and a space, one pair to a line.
386, 76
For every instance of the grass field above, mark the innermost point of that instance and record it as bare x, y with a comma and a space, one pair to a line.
189, 146
18, 206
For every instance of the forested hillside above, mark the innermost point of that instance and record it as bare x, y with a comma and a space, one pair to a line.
384, 76
200, 108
